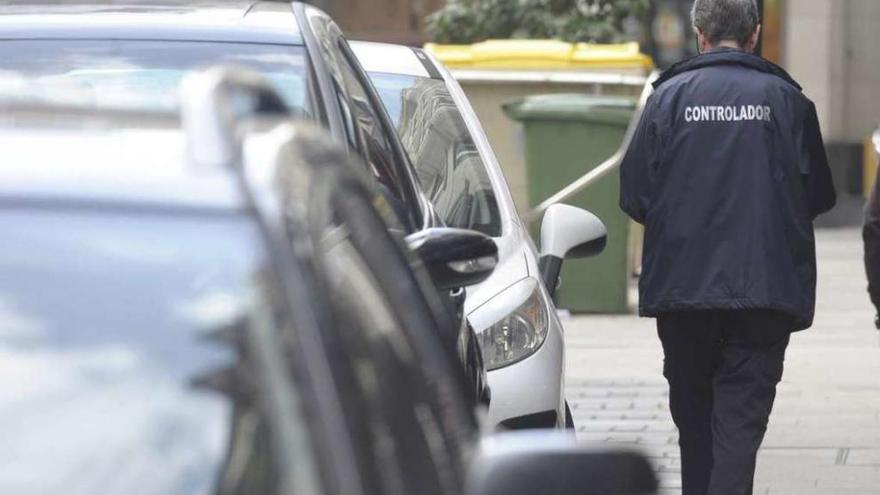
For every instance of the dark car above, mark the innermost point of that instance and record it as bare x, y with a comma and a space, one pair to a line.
170, 342
134, 54
224, 310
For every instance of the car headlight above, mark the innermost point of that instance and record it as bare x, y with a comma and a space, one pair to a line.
520, 332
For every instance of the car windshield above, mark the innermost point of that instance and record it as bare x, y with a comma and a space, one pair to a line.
133, 74
439, 144
115, 353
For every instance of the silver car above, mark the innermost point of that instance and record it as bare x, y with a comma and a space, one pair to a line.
512, 311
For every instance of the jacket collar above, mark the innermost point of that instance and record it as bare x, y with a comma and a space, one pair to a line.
725, 56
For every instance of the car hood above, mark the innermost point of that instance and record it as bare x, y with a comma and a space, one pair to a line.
512, 267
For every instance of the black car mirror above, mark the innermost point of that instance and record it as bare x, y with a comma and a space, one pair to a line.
526, 463
455, 257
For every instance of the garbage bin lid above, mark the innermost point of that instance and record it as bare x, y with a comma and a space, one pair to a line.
572, 107
541, 54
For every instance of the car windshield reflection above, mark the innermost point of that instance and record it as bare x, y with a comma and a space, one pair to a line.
438, 142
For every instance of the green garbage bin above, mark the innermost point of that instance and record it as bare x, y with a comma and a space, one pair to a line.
565, 136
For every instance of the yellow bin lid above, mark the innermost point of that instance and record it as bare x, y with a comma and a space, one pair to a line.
541, 54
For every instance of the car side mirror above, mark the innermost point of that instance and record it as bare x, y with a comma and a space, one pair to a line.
568, 232
455, 257
526, 463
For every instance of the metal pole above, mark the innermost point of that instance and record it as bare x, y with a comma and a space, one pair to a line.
605, 167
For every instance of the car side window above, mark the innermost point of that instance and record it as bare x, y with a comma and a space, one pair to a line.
352, 134
366, 134
450, 168
374, 142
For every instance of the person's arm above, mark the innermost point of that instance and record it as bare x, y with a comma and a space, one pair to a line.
814, 165
636, 170
871, 237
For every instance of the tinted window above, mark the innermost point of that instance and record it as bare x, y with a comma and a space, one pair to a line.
136, 74
124, 343
436, 138
370, 138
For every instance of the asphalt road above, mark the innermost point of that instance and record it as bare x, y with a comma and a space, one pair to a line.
824, 435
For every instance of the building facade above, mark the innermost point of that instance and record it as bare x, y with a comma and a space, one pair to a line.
832, 47
398, 21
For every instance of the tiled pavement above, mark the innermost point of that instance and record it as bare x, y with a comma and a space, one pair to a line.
824, 436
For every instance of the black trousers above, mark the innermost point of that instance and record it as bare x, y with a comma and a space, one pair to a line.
722, 367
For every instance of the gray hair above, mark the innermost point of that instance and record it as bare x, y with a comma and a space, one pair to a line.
721, 20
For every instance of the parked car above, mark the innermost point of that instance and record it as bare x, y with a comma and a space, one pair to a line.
512, 311
223, 309
134, 54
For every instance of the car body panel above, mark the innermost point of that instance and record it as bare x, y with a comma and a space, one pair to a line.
511, 268
540, 379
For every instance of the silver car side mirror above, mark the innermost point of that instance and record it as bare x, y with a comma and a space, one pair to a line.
568, 232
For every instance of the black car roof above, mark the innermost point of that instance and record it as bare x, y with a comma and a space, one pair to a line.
196, 20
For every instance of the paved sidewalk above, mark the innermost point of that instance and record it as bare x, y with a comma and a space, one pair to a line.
824, 435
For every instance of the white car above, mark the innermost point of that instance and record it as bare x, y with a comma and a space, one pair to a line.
512, 311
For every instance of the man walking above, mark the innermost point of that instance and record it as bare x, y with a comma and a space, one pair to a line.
727, 171
871, 237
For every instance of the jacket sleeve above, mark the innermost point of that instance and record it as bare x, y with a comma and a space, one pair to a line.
871, 236
636, 170
814, 165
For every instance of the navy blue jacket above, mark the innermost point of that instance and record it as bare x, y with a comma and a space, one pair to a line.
727, 171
